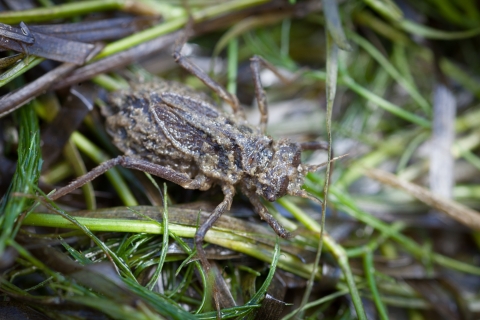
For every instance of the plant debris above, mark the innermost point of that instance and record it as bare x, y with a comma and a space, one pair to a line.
393, 84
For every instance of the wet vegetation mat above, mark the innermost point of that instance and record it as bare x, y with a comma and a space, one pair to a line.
251, 159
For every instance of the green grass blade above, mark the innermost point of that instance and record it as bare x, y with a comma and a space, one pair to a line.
60, 11
334, 25
431, 33
370, 275
26, 175
393, 72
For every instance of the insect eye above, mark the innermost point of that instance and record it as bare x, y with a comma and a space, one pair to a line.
297, 158
283, 185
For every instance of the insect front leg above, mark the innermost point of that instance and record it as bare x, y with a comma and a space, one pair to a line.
205, 78
265, 215
183, 180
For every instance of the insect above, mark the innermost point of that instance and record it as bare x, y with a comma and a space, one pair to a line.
173, 132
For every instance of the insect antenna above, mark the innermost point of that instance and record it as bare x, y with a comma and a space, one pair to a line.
307, 195
315, 167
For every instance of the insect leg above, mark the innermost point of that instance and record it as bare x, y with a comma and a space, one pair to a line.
259, 93
89, 176
205, 78
138, 164
314, 145
255, 63
265, 215
229, 192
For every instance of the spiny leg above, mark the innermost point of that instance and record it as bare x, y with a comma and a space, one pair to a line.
314, 145
186, 182
229, 192
255, 63
304, 194
259, 93
220, 295
265, 215
205, 78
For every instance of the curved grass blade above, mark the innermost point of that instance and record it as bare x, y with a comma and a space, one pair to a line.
334, 24
166, 237
431, 33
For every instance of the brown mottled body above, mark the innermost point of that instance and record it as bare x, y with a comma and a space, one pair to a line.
173, 126
171, 131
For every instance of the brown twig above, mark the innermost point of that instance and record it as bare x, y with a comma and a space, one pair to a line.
453, 209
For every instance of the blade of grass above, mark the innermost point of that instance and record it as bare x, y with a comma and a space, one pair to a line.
347, 80
335, 249
243, 26
370, 275
345, 203
26, 175
203, 276
117, 310
466, 80
381, 27
285, 38
232, 65
410, 149
386, 8
78, 256
227, 238
315, 303
64, 11
430, 33
384, 104
160, 303
174, 24
473, 159
273, 266
118, 263
30, 258
334, 25
20, 68
108, 83
252, 304
393, 72
400, 60
374, 244
164, 249
331, 86
73, 156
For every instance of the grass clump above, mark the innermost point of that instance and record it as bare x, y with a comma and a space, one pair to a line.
392, 84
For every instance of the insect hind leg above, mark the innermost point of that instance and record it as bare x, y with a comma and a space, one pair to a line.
138, 164
192, 68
